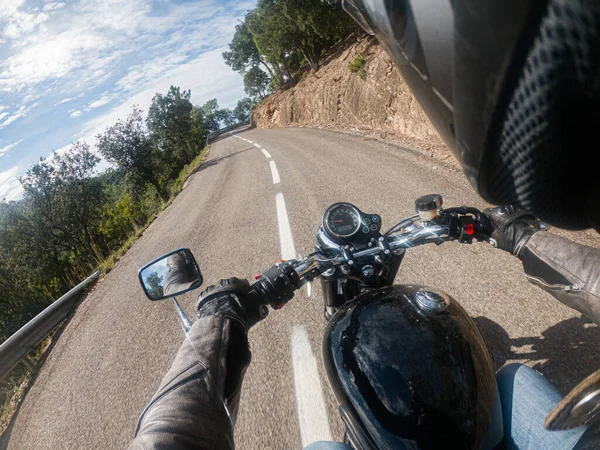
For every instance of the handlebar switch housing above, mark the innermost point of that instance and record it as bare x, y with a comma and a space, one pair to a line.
277, 284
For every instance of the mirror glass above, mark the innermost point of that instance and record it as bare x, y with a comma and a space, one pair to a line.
170, 275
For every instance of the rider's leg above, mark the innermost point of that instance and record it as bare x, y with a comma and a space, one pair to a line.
527, 398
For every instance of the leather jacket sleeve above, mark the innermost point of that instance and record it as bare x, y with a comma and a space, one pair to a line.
568, 271
196, 404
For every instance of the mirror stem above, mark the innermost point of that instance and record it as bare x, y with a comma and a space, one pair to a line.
185, 322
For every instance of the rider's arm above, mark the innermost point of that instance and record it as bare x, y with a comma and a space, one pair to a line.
196, 404
568, 271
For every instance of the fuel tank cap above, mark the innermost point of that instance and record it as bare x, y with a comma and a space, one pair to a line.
432, 300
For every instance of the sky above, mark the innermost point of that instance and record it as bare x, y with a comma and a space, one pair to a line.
69, 69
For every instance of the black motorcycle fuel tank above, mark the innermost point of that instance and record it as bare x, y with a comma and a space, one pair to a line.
410, 370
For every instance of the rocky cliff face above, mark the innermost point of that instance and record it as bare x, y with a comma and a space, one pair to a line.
334, 96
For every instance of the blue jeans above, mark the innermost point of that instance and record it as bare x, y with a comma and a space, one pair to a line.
526, 398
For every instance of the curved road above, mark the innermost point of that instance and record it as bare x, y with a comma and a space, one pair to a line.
115, 350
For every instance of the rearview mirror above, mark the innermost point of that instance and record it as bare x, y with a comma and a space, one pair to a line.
170, 275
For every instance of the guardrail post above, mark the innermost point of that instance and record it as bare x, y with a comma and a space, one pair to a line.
27, 363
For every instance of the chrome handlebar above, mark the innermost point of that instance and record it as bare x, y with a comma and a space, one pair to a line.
425, 233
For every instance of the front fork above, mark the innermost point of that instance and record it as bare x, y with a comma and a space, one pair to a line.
338, 289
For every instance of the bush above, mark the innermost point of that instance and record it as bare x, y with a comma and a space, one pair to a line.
357, 65
119, 221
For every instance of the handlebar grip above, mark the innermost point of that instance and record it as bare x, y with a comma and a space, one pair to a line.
276, 285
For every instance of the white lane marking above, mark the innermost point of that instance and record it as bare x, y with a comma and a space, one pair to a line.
266, 153
310, 403
274, 172
249, 141
286, 241
257, 145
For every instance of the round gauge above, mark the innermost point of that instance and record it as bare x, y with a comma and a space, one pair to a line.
341, 220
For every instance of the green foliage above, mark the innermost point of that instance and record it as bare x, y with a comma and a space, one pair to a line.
172, 127
256, 83
358, 64
154, 285
242, 53
120, 220
214, 117
241, 111
280, 36
128, 145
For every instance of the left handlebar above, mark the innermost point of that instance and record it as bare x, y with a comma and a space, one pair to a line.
276, 285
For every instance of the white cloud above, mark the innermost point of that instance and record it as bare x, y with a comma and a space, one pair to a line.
23, 23
68, 99
3, 115
9, 7
10, 187
103, 100
83, 41
21, 112
8, 147
220, 81
54, 5
73, 113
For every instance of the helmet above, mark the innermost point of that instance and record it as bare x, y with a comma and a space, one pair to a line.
512, 87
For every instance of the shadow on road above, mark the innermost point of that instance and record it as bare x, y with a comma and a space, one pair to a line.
215, 161
565, 353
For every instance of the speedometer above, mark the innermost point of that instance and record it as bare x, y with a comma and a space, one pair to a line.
341, 220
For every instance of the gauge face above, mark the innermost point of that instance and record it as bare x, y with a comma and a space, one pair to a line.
342, 220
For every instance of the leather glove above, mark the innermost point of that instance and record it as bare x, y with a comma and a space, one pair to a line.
511, 227
229, 298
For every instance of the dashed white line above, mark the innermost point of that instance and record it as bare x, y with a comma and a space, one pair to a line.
266, 153
286, 241
257, 145
274, 172
312, 415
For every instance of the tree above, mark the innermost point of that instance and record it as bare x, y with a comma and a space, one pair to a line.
128, 145
315, 25
199, 126
282, 34
214, 117
243, 53
256, 83
154, 285
241, 111
229, 118
64, 200
170, 124
272, 34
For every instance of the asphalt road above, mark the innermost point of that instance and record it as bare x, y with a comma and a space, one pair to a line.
115, 350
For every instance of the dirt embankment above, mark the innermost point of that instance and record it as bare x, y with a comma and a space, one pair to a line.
378, 102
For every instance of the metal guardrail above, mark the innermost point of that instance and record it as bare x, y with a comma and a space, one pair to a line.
214, 134
16, 347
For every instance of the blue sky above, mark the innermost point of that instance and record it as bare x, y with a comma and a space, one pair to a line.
69, 69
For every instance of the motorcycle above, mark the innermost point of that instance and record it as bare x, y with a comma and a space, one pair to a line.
407, 364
